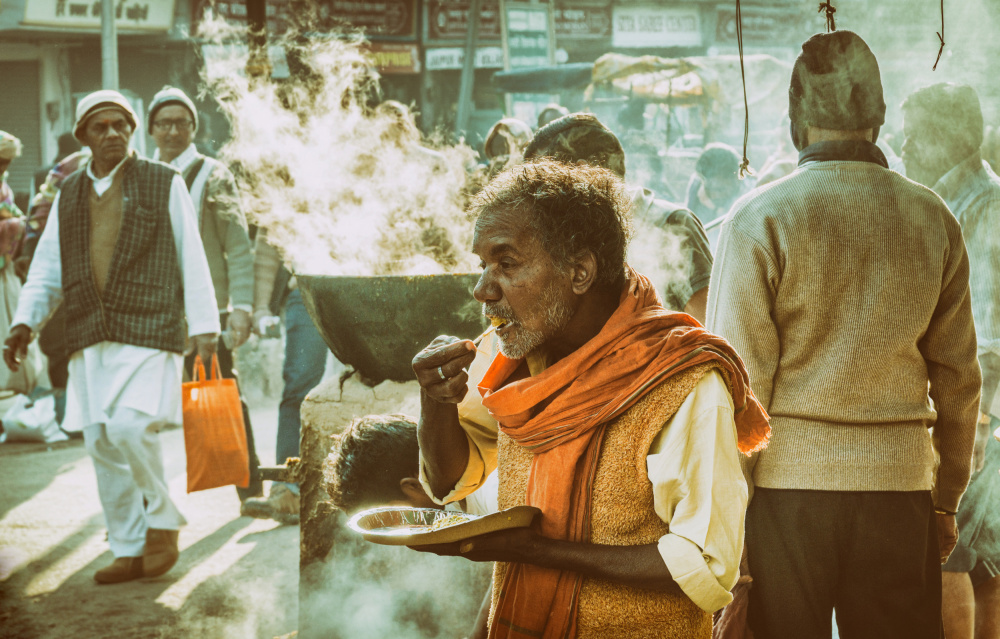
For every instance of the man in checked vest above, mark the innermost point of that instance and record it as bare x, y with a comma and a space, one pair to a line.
121, 250
173, 121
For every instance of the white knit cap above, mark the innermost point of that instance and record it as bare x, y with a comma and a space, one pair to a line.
10, 146
168, 95
99, 101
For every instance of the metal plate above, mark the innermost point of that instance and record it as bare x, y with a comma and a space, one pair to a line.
401, 526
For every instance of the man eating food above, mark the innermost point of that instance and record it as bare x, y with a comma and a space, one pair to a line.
622, 421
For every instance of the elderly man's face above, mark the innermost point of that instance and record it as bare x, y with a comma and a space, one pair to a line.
520, 283
173, 130
925, 152
4, 165
107, 134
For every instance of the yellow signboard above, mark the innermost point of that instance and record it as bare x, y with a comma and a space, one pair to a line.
130, 15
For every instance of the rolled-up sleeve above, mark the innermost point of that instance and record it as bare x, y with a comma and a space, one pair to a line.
700, 492
480, 429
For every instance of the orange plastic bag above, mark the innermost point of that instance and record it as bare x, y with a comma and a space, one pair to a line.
214, 437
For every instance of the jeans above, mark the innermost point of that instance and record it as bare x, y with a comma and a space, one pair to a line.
305, 360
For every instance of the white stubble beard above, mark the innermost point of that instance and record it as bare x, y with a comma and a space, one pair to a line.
523, 341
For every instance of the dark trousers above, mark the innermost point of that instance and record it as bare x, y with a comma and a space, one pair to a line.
871, 556
254, 489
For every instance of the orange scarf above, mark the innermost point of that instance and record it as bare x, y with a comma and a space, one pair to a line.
561, 414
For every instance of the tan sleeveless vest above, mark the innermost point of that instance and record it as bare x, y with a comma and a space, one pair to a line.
622, 515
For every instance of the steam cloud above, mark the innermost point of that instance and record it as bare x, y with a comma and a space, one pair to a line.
342, 188
381, 591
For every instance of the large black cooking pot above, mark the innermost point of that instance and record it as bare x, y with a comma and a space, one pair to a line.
377, 324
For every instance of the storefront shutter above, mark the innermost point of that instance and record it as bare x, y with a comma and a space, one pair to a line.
20, 115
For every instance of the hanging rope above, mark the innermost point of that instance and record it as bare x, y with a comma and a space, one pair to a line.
941, 38
827, 6
745, 164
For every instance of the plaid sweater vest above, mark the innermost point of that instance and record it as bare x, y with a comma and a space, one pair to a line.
143, 299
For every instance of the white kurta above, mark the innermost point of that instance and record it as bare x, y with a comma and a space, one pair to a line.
109, 375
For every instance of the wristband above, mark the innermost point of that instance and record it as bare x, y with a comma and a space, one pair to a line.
942, 511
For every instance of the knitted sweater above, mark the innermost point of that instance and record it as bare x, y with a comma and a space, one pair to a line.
623, 513
845, 288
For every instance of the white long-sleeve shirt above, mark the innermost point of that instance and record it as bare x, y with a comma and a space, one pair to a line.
693, 464
107, 375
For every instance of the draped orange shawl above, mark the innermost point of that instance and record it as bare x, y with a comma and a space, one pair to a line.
560, 415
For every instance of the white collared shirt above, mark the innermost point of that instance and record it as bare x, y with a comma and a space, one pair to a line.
101, 185
181, 163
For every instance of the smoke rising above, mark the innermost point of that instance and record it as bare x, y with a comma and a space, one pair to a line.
664, 256
342, 188
369, 590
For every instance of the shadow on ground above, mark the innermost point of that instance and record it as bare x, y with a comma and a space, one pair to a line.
232, 600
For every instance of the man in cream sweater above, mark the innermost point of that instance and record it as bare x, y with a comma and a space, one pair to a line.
845, 288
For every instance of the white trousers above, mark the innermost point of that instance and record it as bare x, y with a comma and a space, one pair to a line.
128, 461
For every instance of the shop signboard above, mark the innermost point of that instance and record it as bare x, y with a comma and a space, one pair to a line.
234, 12
378, 19
452, 58
528, 32
395, 19
527, 35
130, 15
582, 22
653, 26
393, 58
229, 60
766, 26
448, 20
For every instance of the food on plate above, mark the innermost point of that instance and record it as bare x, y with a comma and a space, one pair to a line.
451, 520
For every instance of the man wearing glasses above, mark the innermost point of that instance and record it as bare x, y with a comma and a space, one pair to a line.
173, 121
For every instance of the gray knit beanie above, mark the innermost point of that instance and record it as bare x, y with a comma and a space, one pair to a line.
836, 84
171, 95
576, 137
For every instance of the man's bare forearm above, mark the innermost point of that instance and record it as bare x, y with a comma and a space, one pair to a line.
444, 446
635, 566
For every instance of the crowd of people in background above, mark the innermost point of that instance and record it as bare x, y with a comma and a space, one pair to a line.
824, 296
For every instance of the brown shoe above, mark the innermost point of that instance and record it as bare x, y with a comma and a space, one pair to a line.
122, 569
281, 504
161, 552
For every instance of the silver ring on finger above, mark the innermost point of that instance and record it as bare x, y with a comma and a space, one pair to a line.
441, 373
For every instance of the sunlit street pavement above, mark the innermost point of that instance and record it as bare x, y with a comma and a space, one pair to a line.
236, 577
